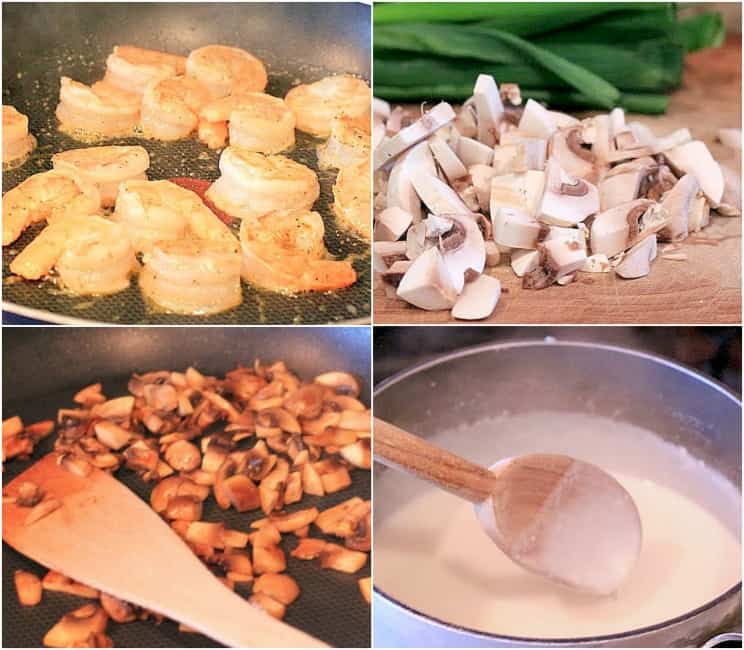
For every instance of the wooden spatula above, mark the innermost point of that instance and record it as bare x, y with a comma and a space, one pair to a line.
554, 515
105, 536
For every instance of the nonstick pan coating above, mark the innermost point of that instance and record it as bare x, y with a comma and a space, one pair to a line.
43, 368
299, 42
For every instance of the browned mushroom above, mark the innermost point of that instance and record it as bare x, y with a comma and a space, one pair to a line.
341, 559
29, 494
183, 456
365, 587
76, 628
28, 588
279, 586
309, 548
54, 581
119, 610
268, 605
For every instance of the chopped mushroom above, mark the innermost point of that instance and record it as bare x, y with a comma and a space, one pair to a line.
28, 588
279, 586
54, 581
342, 559
365, 587
119, 610
75, 629
269, 605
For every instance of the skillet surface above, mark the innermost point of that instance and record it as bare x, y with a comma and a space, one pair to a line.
298, 42
44, 367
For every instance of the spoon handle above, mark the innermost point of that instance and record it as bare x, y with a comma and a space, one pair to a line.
400, 450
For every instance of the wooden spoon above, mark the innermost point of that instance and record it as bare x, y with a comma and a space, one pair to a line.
105, 536
553, 515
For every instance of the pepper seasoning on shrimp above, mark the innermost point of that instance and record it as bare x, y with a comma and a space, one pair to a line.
46, 196
256, 121
225, 70
91, 255
316, 104
18, 143
285, 251
105, 167
134, 68
103, 109
170, 107
253, 184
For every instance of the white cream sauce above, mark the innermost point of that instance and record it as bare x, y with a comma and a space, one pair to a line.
432, 555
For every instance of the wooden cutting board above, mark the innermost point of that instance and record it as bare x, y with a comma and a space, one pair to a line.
706, 288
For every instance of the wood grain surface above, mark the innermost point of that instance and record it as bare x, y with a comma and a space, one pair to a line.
706, 288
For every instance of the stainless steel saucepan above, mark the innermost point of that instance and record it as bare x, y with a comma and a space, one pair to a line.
682, 406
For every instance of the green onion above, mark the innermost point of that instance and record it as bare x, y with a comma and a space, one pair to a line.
589, 54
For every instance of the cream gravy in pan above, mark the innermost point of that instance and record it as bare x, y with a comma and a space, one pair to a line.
432, 555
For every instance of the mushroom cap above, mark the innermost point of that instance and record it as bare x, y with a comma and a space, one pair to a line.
467, 255
678, 203
536, 120
563, 207
610, 233
489, 108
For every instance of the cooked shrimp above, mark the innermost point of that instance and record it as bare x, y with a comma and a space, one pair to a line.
90, 253
17, 142
253, 184
170, 107
348, 144
134, 68
226, 69
105, 167
48, 195
98, 110
257, 122
284, 251
316, 104
192, 276
153, 211
353, 198
213, 134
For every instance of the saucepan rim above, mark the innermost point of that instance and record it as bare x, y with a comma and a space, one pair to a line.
550, 342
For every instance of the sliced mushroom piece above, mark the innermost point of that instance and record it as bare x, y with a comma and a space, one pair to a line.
537, 121
293, 491
416, 241
358, 454
598, 263
427, 284
436, 195
384, 254
28, 588
338, 558
309, 548
391, 224
695, 158
573, 154
509, 159
119, 610
184, 508
360, 536
330, 519
521, 191
488, 107
279, 586
558, 258
567, 200
289, 522
617, 229
54, 581
465, 189
471, 152
678, 203
439, 116
75, 464
533, 151
365, 588
183, 456
311, 481
493, 253
119, 408
238, 563
447, 159
334, 476
400, 192
524, 261
77, 628
463, 249
636, 262
478, 299
516, 228
268, 558
206, 533
699, 213
112, 435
